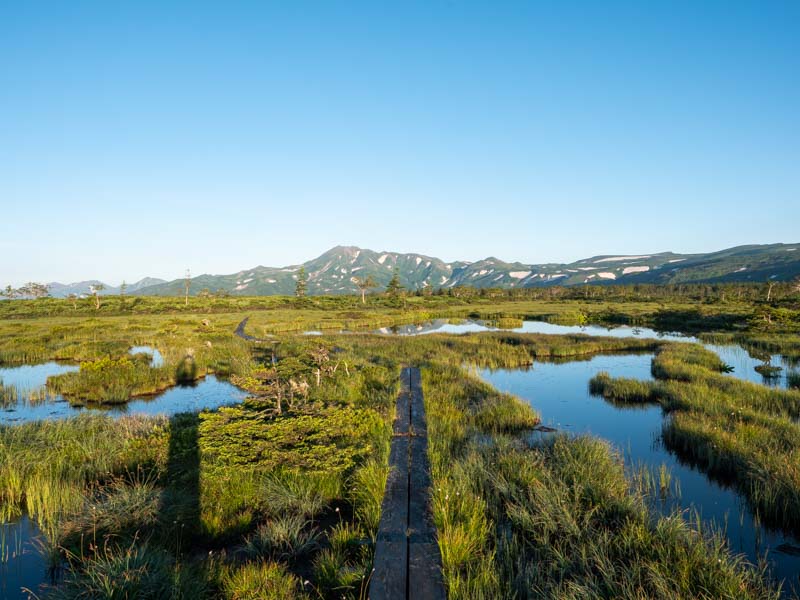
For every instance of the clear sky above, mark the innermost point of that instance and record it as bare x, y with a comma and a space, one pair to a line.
141, 138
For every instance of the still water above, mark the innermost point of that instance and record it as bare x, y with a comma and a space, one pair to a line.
34, 403
743, 364
560, 393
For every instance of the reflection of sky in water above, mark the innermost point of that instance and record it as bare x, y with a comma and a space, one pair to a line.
27, 566
744, 365
157, 360
208, 393
560, 393
30, 378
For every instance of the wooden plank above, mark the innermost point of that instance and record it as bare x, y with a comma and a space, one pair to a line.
420, 521
403, 406
401, 423
390, 566
417, 407
425, 580
408, 562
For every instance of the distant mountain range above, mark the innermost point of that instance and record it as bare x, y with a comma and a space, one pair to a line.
335, 270
83, 288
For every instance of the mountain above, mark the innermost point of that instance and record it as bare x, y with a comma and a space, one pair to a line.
333, 271
83, 288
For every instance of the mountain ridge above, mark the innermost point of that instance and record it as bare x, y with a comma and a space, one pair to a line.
82, 288
335, 271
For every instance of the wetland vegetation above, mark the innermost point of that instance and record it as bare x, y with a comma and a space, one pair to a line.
278, 495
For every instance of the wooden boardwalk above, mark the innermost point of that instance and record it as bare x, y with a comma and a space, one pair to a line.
408, 564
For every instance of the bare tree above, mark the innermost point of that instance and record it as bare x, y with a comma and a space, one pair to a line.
187, 281
320, 356
364, 284
95, 291
74, 299
770, 285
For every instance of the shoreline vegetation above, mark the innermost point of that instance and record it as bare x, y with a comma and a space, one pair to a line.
740, 432
279, 496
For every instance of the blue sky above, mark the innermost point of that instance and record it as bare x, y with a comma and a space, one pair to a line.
142, 138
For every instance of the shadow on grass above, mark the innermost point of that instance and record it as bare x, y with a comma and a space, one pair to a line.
179, 512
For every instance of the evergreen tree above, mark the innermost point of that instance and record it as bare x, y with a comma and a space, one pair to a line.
302, 283
394, 287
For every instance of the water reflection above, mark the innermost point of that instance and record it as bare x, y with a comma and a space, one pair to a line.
156, 360
22, 565
560, 392
208, 393
744, 365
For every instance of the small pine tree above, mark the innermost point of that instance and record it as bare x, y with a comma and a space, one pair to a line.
302, 283
394, 287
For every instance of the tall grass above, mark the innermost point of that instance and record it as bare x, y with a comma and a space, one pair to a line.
558, 519
45, 465
8, 395
738, 431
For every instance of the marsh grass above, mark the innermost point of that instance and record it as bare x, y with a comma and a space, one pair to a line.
12, 396
259, 581
737, 431
558, 519
109, 381
8, 395
118, 497
45, 465
624, 391
283, 538
192, 347
139, 569
368, 485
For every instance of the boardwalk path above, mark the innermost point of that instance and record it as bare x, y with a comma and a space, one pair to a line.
408, 564
245, 336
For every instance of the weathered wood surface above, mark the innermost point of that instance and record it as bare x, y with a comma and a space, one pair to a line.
408, 563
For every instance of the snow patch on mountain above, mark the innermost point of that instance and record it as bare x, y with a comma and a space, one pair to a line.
618, 258
627, 270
